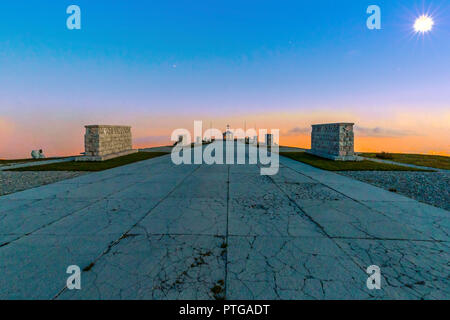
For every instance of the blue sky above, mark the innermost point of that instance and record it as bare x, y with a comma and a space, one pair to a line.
133, 59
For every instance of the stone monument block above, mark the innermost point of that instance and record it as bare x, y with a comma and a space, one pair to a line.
103, 142
333, 141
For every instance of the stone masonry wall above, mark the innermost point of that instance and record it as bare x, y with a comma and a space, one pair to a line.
101, 140
333, 140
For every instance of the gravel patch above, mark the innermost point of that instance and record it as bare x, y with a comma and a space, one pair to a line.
428, 187
12, 181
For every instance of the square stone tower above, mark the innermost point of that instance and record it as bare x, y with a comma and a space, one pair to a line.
103, 142
333, 141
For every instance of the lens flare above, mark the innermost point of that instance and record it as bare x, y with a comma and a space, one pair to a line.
423, 24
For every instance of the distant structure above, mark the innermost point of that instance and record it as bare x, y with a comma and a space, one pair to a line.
228, 134
182, 140
268, 139
37, 154
104, 142
333, 141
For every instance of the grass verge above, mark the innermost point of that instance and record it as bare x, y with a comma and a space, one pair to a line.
330, 165
439, 162
17, 161
93, 166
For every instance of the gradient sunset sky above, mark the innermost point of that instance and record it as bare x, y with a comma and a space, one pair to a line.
160, 65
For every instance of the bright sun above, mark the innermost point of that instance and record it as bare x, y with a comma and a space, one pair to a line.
423, 24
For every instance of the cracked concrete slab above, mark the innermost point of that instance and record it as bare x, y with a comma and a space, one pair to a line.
146, 190
289, 176
347, 218
7, 204
189, 216
310, 191
155, 230
430, 221
35, 267
17, 223
269, 215
291, 268
95, 190
201, 186
49, 191
110, 216
410, 269
156, 267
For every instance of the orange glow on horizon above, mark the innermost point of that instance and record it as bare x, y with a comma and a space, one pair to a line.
362, 144
375, 144
65, 137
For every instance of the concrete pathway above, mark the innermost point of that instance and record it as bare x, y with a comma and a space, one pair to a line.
34, 163
153, 230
